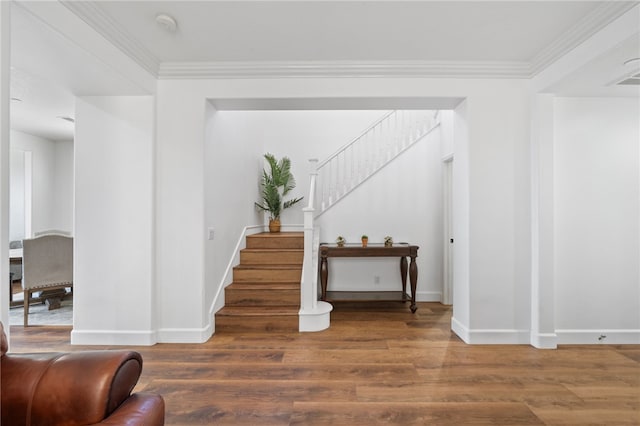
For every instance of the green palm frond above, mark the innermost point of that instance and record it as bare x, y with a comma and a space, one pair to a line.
289, 203
275, 184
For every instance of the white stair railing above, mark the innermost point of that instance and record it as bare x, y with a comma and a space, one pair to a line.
361, 158
340, 174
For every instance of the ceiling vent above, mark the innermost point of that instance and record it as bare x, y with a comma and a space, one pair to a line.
634, 80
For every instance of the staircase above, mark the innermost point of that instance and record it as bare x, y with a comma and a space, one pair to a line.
364, 156
265, 292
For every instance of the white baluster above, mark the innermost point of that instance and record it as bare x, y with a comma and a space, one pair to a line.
344, 172
353, 166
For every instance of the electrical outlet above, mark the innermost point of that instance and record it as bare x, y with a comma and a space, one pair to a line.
376, 279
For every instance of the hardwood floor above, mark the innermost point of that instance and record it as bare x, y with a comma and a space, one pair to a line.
380, 367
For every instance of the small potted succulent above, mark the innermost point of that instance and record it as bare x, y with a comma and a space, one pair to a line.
340, 241
365, 240
388, 241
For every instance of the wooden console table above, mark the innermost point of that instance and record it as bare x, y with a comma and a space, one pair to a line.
401, 250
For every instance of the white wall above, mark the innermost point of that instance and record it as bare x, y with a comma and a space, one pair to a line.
460, 205
43, 179
597, 211
301, 135
492, 197
5, 73
404, 201
52, 184
17, 188
181, 111
232, 167
114, 294
498, 198
63, 185
499, 218
235, 144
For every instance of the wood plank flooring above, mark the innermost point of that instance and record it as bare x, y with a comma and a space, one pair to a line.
378, 364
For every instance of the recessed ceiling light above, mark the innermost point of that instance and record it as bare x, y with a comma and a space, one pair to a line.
629, 61
66, 118
16, 99
166, 22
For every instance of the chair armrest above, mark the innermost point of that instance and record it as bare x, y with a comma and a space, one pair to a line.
76, 387
140, 409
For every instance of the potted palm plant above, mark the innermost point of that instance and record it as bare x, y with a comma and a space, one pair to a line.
276, 182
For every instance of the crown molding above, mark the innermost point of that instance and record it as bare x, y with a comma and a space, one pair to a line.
92, 14
105, 25
335, 69
593, 22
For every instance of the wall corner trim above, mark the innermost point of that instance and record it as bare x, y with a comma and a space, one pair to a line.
490, 336
544, 340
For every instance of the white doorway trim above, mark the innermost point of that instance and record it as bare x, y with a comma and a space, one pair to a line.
28, 193
447, 191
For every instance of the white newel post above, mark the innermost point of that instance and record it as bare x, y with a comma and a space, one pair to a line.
314, 315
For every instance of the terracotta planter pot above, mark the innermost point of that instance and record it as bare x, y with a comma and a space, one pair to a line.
274, 225
365, 241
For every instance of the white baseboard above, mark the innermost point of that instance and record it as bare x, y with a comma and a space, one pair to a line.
186, 335
142, 338
428, 296
595, 337
113, 337
490, 336
545, 340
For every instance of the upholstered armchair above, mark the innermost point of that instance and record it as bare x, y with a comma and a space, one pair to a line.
47, 263
75, 388
16, 268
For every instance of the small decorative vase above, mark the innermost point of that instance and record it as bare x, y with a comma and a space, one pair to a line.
365, 241
388, 244
274, 225
340, 244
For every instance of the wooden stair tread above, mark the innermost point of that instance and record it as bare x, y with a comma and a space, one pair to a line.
264, 285
295, 234
266, 311
271, 256
271, 250
284, 240
269, 267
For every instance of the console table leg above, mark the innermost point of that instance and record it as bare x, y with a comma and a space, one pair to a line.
413, 277
403, 274
324, 275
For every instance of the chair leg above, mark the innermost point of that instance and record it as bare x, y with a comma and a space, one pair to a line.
27, 295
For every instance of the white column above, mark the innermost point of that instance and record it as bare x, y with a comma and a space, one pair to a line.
5, 71
113, 231
180, 230
543, 333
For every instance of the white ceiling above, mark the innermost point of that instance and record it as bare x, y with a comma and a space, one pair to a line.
503, 38
347, 30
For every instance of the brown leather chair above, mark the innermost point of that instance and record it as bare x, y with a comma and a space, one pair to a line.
75, 388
